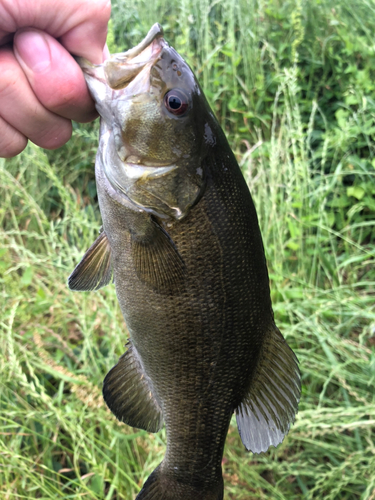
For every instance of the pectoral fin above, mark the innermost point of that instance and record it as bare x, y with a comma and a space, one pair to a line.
157, 260
95, 269
129, 395
270, 405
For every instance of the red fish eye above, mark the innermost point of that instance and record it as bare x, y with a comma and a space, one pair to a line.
176, 102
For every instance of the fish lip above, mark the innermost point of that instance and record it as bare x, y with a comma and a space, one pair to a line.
123, 68
156, 32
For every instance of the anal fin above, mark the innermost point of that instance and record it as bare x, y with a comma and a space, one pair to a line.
95, 269
128, 393
271, 403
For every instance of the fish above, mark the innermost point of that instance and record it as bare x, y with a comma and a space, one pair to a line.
181, 241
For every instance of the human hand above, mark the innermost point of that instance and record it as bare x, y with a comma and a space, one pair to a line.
42, 88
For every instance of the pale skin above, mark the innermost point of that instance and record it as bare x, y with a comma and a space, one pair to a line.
42, 88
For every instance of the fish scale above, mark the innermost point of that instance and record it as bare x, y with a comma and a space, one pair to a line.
183, 244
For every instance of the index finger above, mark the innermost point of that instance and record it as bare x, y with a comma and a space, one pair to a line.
80, 25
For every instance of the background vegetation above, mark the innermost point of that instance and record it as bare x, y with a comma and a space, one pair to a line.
292, 83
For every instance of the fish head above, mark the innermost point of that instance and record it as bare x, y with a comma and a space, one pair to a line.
153, 116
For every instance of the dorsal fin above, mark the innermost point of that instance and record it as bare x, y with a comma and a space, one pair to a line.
270, 405
129, 395
157, 260
95, 269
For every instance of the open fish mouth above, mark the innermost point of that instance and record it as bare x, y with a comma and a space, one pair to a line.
130, 67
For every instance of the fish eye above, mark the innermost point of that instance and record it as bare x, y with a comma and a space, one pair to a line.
176, 102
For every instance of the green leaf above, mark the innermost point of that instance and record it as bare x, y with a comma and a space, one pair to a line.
227, 52
41, 294
292, 245
97, 484
340, 201
27, 276
356, 192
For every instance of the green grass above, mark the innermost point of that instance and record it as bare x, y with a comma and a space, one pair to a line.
310, 170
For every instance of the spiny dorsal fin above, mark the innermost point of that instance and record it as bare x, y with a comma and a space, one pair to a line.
157, 261
269, 407
95, 269
129, 395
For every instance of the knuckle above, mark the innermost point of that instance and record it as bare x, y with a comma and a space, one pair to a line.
10, 72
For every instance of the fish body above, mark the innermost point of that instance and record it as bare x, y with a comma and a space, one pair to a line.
182, 241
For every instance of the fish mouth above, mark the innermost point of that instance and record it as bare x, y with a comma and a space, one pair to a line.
130, 68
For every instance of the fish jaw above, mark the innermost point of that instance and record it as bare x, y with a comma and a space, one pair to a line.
127, 73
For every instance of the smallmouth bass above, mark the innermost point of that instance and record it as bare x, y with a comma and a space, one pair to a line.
181, 240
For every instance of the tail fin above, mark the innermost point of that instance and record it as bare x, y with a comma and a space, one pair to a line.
162, 486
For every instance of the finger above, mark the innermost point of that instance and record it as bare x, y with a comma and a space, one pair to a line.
20, 108
80, 26
88, 35
12, 142
54, 76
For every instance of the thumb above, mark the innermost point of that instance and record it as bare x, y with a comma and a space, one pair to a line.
53, 74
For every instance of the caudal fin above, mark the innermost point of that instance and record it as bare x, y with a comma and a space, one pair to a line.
164, 486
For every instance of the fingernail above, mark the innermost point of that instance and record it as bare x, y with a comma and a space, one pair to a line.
34, 50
